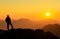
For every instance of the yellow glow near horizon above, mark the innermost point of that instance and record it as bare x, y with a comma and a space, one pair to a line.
48, 14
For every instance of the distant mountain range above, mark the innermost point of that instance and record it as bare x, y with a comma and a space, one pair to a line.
53, 28
46, 24
27, 23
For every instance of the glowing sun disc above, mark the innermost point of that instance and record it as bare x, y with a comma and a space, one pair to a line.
48, 14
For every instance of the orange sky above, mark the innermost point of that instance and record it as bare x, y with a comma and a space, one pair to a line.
31, 9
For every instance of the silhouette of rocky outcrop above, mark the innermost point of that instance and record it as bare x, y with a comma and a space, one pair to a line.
26, 34
53, 28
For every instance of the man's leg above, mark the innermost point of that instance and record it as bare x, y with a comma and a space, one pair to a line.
7, 26
11, 25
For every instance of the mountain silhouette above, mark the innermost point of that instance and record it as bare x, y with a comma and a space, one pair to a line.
27, 23
53, 28
24, 23
26, 34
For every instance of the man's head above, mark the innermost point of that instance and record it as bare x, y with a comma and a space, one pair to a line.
7, 15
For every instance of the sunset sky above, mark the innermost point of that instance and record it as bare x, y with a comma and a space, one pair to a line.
31, 9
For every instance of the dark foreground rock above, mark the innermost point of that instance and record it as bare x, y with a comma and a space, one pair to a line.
26, 34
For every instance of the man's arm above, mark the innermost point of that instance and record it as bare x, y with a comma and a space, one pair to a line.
10, 19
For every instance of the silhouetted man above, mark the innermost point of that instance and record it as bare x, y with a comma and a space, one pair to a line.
8, 21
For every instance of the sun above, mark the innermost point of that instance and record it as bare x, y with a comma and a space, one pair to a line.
48, 14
